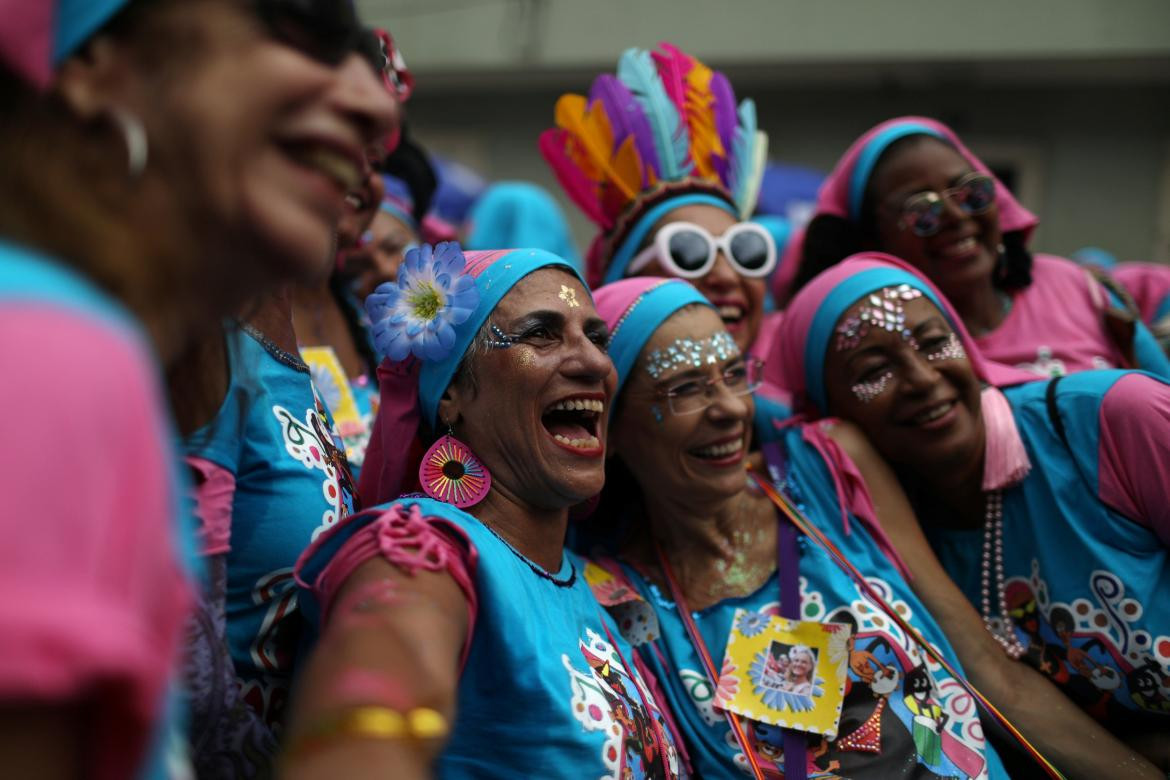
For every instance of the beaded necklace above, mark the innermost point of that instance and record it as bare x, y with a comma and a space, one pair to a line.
540, 571
287, 358
992, 576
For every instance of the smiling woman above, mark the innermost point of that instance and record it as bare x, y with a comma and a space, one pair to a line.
909, 187
1042, 500
441, 616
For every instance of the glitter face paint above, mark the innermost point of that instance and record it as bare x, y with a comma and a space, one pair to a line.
867, 391
951, 350
882, 309
569, 296
691, 353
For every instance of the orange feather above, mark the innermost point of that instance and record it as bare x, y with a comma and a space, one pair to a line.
590, 129
705, 143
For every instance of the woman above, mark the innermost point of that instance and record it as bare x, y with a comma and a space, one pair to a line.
666, 165
432, 615
1060, 484
699, 537
168, 167
909, 187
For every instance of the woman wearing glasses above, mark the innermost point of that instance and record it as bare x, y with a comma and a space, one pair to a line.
705, 564
910, 187
668, 167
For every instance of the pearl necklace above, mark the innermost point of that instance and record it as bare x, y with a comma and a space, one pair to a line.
993, 541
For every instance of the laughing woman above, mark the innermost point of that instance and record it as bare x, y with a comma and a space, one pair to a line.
462, 607
710, 561
661, 158
911, 188
1046, 502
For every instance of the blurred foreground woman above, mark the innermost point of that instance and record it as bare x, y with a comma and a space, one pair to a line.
159, 163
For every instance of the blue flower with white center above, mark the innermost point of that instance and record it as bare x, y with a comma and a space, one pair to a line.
418, 313
752, 623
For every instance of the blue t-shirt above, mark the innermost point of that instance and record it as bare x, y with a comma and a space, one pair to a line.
544, 692
1087, 588
276, 437
903, 715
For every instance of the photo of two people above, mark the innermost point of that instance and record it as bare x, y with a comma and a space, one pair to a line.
790, 668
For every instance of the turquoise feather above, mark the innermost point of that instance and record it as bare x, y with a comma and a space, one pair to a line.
636, 70
743, 153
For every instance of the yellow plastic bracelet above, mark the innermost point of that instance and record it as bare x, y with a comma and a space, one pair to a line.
371, 722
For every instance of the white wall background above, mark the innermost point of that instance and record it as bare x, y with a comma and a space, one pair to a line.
1074, 92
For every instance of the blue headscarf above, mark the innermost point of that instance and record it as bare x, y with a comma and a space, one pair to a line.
634, 309
495, 273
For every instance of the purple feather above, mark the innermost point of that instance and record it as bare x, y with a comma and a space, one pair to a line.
626, 118
726, 120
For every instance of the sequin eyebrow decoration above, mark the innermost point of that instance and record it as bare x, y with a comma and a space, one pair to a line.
867, 391
499, 339
951, 350
882, 309
569, 296
691, 353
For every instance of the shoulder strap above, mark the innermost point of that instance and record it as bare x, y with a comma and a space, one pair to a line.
1054, 410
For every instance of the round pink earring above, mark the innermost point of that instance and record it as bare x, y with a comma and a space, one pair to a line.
451, 473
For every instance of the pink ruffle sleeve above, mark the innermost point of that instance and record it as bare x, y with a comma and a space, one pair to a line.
92, 594
408, 540
214, 489
1134, 452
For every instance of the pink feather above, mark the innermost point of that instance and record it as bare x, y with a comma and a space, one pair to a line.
554, 147
673, 67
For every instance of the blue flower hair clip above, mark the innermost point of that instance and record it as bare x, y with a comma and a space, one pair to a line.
419, 312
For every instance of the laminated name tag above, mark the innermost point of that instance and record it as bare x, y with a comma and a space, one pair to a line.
788, 673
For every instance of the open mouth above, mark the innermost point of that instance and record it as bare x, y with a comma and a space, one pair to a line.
574, 422
732, 314
961, 248
723, 452
334, 164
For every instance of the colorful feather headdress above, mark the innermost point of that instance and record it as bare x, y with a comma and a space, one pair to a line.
666, 125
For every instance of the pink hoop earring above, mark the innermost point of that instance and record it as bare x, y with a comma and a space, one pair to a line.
451, 473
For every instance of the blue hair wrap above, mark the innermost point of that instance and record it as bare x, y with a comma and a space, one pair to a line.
644, 316
77, 20
625, 253
836, 303
872, 153
493, 283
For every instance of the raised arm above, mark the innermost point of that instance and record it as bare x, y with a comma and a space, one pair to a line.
395, 628
1066, 735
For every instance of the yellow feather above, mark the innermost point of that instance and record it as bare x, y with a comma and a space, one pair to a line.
589, 127
705, 141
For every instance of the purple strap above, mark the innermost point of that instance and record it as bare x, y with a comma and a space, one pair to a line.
788, 561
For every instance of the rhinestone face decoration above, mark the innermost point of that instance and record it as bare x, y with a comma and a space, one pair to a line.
691, 353
882, 309
952, 350
499, 339
867, 391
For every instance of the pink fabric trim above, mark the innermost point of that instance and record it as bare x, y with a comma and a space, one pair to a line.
26, 38
214, 489
411, 542
1134, 452
1148, 283
1005, 459
395, 427
834, 195
852, 492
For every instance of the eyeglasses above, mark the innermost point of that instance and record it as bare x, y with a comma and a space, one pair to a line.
694, 395
922, 213
688, 250
326, 30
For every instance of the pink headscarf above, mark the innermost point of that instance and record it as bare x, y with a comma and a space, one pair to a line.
834, 197
790, 366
